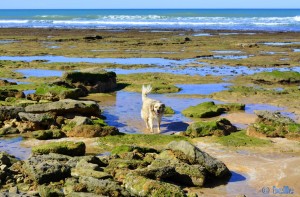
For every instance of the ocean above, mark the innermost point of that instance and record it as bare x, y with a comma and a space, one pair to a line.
161, 19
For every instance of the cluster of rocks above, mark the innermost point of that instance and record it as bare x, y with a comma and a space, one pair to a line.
79, 84
131, 171
58, 114
9, 93
273, 124
73, 117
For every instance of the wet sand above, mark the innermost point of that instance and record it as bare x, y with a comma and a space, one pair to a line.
255, 168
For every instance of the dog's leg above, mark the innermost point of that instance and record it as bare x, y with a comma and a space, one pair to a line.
158, 125
147, 123
150, 122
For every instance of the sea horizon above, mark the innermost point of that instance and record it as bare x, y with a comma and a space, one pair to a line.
187, 19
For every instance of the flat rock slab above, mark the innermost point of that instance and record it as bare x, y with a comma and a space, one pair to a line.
66, 106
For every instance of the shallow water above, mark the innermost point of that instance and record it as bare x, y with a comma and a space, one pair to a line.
126, 61
250, 108
26, 92
226, 57
203, 70
13, 146
40, 73
185, 67
202, 88
279, 43
227, 51
203, 34
8, 41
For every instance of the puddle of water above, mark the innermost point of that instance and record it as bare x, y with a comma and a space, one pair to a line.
202, 34
202, 88
26, 92
250, 108
279, 43
229, 34
13, 146
40, 73
296, 50
186, 66
203, 70
272, 52
284, 59
14, 80
103, 50
227, 51
126, 61
226, 57
8, 41
126, 103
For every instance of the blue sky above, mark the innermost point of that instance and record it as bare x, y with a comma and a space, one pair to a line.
98, 4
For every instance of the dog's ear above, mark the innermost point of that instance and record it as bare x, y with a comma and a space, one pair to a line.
163, 106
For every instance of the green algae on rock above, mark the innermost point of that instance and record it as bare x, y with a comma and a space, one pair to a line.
219, 127
287, 77
210, 109
274, 124
65, 148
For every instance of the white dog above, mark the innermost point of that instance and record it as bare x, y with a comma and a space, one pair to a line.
151, 109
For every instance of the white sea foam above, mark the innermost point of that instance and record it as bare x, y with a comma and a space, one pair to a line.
156, 21
14, 21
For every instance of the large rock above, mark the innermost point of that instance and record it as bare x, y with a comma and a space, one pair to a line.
103, 186
203, 110
190, 154
66, 106
275, 117
273, 124
219, 127
142, 186
89, 81
6, 83
47, 168
210, 109
186, 174
10, 112
11, 93
42, 118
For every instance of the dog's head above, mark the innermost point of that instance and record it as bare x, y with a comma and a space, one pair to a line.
158, 108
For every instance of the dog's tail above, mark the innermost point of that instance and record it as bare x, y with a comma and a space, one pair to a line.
146, 90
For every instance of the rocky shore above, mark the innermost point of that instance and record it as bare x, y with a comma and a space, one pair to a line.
56, 115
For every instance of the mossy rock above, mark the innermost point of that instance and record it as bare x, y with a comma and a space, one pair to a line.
210, 109
233, 106
65, 148
127, 148
99, 121
142, 140
277, 130
125, 164
91, 78
203, 110
283, 77
218, 128
142, 186
169, 111
48, 134
92, 131
53, 89
274, 124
